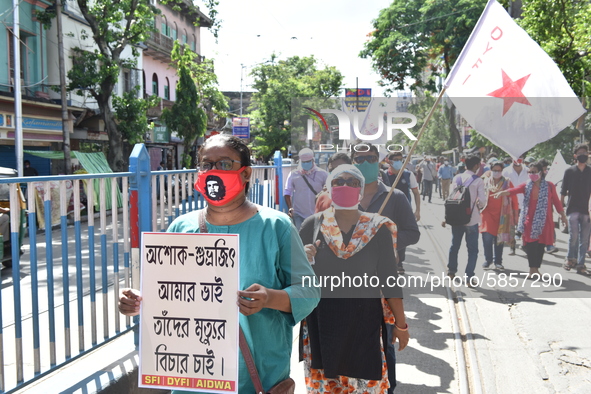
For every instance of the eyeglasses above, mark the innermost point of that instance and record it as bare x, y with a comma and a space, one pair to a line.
395, 159
534, 172
368, 158
352, 182
224, 165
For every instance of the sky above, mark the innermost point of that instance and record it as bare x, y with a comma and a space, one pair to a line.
332, 30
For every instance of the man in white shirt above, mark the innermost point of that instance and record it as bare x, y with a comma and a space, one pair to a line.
517, 174
427, 167
477, 200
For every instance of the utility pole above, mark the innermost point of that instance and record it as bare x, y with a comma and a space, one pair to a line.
62, 67
241, 69
18, 105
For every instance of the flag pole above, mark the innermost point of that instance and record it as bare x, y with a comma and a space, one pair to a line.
412, 148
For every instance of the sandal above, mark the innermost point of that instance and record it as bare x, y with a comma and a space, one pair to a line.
583, 271
569, 264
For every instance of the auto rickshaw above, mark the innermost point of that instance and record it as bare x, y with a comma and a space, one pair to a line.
6, 245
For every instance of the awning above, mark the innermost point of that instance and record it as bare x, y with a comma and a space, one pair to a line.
93, 163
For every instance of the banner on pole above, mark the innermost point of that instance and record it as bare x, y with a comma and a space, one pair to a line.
241, 127
508, 88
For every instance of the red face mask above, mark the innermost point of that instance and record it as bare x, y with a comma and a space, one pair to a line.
345, 197
220, 187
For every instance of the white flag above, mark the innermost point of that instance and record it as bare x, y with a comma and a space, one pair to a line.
508, 88
557, 168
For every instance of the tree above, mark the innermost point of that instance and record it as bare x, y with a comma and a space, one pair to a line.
416, 42
131, 115
562, 28
277, 84
114, 26
435, 138
188, 115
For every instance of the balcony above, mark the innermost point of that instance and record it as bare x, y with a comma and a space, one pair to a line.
159, 46
157, 110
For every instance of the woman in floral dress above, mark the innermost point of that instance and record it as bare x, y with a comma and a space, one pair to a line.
343, 348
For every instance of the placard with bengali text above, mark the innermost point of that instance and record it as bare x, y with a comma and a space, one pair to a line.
189, 316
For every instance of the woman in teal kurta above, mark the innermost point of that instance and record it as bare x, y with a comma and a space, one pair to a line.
272, 260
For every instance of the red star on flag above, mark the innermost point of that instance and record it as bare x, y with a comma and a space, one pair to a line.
511, 92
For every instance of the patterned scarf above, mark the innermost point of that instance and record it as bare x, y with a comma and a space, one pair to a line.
367, 226
541, 209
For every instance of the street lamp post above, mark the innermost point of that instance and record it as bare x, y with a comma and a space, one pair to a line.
242, 67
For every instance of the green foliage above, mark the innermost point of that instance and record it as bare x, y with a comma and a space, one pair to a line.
131, 115
197, 81
45, 17
277, 84
416, 41
563, 30
435, 138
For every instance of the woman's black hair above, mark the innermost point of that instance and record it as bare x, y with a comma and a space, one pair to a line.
497, 163
234, 143
539, 166
339, 156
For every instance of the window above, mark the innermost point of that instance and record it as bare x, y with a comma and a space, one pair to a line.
130, 79
144, 82
155, 84
184, 37
126, 81
24, 66
174, 32
164, 28
193, 43
167, 90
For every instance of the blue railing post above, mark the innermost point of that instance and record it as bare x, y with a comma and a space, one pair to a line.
140, 215
278, 162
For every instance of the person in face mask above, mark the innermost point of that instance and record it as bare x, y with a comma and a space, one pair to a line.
302, 186
535, 220
323, 200
429, 176
397, 209
271, 252
343, 241
498, 217
576, 184
407, 183
445, 174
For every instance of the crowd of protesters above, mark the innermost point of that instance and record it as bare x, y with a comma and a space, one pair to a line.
345, 225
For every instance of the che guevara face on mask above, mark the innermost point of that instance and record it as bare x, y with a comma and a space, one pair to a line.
216, 190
